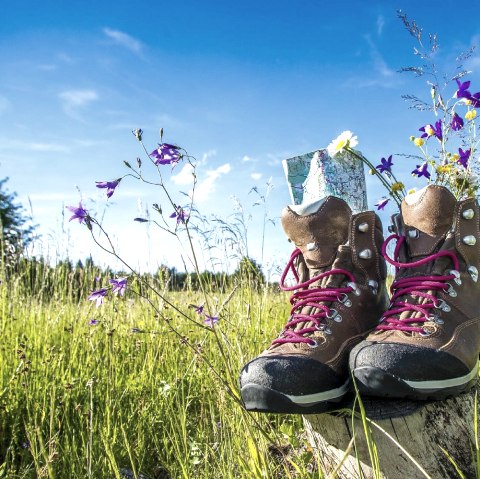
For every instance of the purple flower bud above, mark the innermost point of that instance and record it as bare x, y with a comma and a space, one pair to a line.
98, 296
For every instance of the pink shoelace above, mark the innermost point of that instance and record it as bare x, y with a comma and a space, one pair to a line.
417, 287
312, 297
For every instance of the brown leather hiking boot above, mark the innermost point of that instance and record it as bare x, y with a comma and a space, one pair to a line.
339, 298
428, 341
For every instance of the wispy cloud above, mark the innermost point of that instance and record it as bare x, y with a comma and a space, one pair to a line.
207, 186
4, 103
123, 39
73, 100
7, 144
256, 176
380, 25
379, 64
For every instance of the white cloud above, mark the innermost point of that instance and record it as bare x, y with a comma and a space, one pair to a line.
7, 144
207, 155
123, 39
184, 177
48, 147
380, 25
75, 99
256, 176
246, 159
207, 186
4, 104
379, 64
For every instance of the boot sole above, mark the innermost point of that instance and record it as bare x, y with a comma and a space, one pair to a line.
262, 399
373, 381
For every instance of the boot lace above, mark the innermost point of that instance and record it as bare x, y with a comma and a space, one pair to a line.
416, 287
315, 298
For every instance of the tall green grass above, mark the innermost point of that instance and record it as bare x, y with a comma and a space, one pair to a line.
84, 401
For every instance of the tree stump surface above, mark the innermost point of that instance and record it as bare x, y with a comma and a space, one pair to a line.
422, 429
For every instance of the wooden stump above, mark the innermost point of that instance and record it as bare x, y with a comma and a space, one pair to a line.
421, 429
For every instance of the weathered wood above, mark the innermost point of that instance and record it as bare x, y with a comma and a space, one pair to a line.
421, 429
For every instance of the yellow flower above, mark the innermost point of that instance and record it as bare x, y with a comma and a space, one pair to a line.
418, 142
444, 168
411, 191
398, 186
470, 115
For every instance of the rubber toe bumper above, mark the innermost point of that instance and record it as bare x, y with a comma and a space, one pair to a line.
393, 370
291, 384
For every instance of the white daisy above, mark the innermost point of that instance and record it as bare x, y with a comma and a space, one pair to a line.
344, 140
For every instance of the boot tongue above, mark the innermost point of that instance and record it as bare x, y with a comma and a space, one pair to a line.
318, 229
427, 216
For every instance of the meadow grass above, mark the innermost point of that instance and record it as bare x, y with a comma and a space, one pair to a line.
140, 383
86, 400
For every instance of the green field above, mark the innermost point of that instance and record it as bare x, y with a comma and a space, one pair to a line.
139, 383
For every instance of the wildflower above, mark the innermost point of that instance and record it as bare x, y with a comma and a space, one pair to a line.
471, 115
474, 100
397, 186
444, 169
93, 322
463, 157
430, 130
166, 154
456, 123
98, 296
180, 214
411, 191
344, 140
385, 165
380, 204
421, 170
462, 91
109, 185
210, 320
118, 286
198, 309
138, 133
79, 213
418, 142
140, 220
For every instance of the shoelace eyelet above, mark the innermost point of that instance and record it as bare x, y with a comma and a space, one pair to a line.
425, 333
312, 344
450, 291
442, 305
345, 300
436, 319
355, 289
455, 273
333, 313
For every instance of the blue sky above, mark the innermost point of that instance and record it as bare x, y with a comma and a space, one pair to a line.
240, 85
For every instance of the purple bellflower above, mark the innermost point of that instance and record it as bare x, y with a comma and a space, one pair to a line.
79, 213
421, 170
93, 322
462, 91
456, 123
98, 296
385, 165
180, 215
431, 130
118, 286
210, 320
380, 204
464, 157
109, 185
166, 154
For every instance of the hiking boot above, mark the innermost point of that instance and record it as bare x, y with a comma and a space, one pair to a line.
428, 341
338, 298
